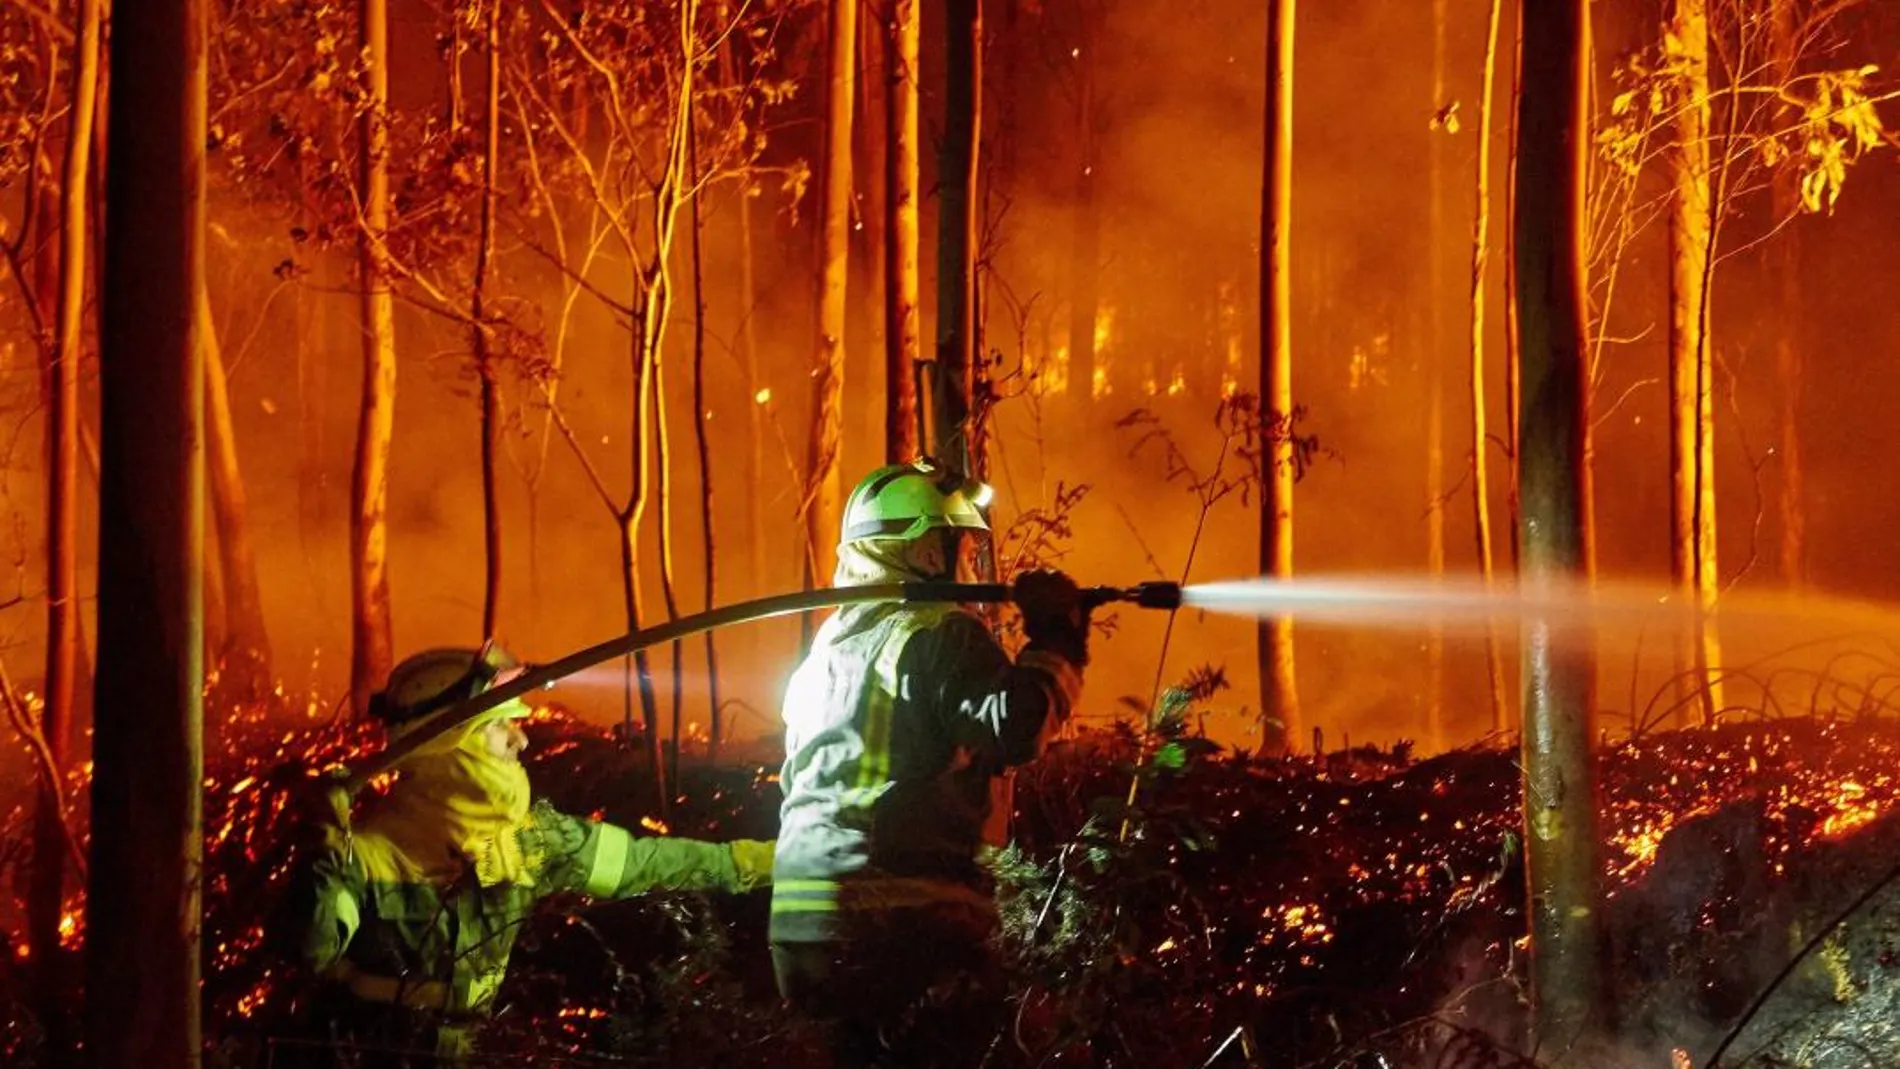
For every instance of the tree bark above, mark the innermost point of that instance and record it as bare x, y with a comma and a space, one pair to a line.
1691, 414
902, 343
50, 835
1435, 348
1560, 795
824, 491
1480, 433
143, 905
478, 312
244, 659
1278, 685
953, 382
372, 652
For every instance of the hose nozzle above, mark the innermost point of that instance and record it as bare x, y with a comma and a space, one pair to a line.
1152, 595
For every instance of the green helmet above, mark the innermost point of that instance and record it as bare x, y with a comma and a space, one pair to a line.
435, 679
902, 501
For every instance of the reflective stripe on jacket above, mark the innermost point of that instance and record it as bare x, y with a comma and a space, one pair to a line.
445, 946
895, 726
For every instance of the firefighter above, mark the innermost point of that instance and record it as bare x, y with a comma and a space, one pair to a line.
896, 727
409, 914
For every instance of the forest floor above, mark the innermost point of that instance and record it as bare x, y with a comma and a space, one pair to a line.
1356, 909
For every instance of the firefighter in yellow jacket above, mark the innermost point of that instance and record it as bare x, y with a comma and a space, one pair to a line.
414, 908
896, 726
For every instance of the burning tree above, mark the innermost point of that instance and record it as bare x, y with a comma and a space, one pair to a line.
1278, 693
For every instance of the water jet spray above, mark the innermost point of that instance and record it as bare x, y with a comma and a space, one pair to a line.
1151, 595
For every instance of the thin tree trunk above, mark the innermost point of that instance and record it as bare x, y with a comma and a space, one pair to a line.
478, 311
901, 339
62, 516
702, 417
143, 907
1691, 454
1435, 348
1561, 855
824, 483
1480, 432
312, 355
372, 646
755, 407
244, 653
1786, 257
870, 247
669, 594
1513, 358
639, 673
749, 355
1279, 691
953, 381
655, 302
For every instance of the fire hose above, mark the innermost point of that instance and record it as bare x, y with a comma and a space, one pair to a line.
1152, 595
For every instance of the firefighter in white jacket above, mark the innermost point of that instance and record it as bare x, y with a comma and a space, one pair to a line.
895, 727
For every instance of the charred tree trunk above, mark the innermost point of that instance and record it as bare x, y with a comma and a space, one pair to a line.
478, 312
902, 344
1480, 424
1279, 692
1691, 369
1435, 348
62, 516
1560, 797
143, 906
244, 660
952, 381
824, 483
372, 653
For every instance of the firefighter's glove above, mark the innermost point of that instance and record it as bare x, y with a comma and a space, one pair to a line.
752, 860
318, 806
1054, 615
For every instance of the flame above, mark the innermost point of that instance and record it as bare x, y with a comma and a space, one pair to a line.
1099, 386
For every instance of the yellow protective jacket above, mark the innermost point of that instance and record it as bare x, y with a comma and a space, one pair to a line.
895, 726
392, 933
